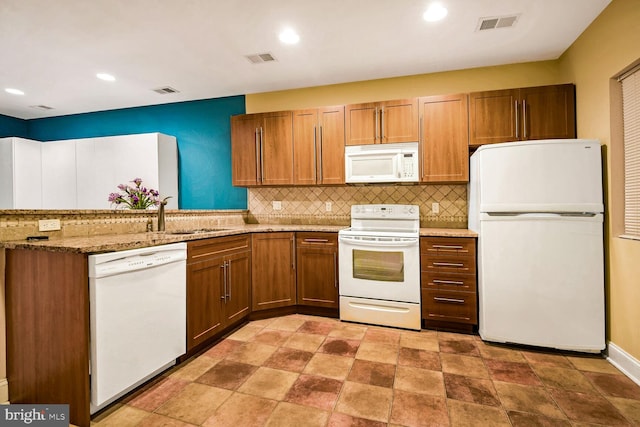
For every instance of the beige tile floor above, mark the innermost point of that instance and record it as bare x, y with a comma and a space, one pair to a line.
313, 371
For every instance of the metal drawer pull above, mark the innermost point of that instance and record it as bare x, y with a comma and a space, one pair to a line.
448, 246
317, 240
448, 264
448, 282
451, 300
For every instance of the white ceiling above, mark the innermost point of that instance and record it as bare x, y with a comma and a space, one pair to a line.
52, 50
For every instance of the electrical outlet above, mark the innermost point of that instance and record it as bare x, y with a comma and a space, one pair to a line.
49, 224
277, 205
435, 208
328, 206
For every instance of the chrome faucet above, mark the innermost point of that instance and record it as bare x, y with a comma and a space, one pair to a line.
161, 206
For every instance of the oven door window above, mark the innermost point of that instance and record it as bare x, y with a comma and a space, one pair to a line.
379, 266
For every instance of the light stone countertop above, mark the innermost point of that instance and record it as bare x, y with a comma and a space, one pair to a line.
120, 242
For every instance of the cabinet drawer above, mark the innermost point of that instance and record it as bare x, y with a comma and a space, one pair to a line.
201, 250
459, 307
436, 280
316, 239
451, 246
448, 264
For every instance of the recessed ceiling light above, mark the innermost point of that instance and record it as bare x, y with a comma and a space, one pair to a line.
106, 77
289, 36
435, 12
14, 91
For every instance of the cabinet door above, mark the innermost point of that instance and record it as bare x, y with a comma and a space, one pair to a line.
399, 121
445, 138
492, 117
59, 175
237, 287
317, 276
277, 148
305, 147
245, 149
272, 270
331, 147
361, 122
205, 296
27, 174
548, 112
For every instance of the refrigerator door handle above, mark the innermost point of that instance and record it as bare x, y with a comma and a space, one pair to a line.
545, 214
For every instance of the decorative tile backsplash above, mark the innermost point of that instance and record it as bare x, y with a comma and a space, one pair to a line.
308, 205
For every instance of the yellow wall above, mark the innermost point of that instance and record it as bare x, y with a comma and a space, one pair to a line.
608, 46
487, 78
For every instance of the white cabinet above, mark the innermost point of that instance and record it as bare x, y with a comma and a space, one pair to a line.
20, 174
59, 174
81, 173
104, 163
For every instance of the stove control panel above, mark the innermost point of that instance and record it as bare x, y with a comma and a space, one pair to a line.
385, 211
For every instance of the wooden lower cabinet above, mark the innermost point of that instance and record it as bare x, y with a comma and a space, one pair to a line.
317, 264
448, 282
218, 278
273, 274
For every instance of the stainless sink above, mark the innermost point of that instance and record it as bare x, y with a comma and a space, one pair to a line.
198, 231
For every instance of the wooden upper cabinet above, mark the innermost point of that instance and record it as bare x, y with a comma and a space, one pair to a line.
362, 122
445, 138
245, 149
318, 146
332, 134
277, 148
382, 122
492, 116
262, 149
522, 114
548, 112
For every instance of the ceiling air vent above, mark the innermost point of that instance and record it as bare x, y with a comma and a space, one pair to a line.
41, 107
259, 58
494, 22
165, 90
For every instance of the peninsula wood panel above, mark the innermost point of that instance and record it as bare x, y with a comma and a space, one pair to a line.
445, 138
47, 299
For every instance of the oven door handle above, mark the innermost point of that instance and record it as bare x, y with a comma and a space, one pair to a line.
405, 242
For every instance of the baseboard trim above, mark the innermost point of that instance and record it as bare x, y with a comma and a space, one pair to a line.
4, 391
629, 365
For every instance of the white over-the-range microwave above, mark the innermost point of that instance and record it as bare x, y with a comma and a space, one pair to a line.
381, 163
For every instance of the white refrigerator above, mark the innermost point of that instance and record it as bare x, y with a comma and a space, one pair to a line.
537, 208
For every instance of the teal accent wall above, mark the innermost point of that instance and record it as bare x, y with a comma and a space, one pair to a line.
11, 126
202, 129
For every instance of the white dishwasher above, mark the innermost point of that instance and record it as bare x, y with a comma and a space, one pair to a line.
137, 315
